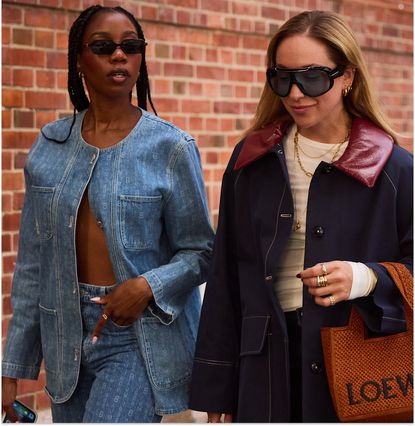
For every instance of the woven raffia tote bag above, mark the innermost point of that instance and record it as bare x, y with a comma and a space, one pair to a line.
371, 379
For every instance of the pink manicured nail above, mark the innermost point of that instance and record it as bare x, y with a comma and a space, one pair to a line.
94, 340
95, 299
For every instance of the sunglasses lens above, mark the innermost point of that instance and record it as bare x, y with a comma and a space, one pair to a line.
107, 47
102, 47
282, 83
313, 82
133, 46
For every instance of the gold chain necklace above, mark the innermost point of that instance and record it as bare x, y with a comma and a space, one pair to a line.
297, 153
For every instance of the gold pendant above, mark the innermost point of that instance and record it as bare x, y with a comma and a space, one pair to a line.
297, 225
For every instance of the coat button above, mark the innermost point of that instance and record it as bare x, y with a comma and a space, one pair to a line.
327, 169
316, 367
318, 231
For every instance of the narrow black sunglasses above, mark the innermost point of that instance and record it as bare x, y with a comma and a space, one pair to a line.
107, 47
312, 81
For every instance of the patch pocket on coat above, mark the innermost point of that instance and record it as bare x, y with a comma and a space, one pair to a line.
253, 334
140, 221
169, 351
42, 201
49, 337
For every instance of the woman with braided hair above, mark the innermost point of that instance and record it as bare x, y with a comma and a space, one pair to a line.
114, 240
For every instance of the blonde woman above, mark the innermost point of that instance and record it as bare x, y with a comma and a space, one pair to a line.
314, 197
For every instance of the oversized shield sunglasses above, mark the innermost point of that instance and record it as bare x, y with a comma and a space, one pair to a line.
107, 47
312, 81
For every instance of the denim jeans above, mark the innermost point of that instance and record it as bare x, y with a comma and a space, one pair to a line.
113, 386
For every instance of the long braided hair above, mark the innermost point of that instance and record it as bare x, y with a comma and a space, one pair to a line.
76, 88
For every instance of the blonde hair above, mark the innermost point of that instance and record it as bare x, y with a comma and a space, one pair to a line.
343, 49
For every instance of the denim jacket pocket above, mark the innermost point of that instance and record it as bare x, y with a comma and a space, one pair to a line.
42, 200
253, 334
168, 351
49, 336
140, 221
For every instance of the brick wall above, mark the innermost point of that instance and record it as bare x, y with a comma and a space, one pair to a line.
206, 64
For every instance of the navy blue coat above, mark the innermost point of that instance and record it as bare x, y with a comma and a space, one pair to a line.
359, 209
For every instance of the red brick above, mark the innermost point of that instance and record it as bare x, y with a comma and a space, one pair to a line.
22, 36
62, 41
44, 117
179, 53
18, 198
250, 9
226, 40
177, 69
6, 120
12, 98
215, 73
62, 79
196, 53
6, 36
12, 180
11, 221
45, 100
6, 243
183, 17
72, 4
227, 107
241, 75
6, 284
165, 14
6, 158
45, 78
252, 42
23, 118
7, 306
11, 15
4, 326
57, 60
216, 5
18, 140
44, 38
190, 106
24, 57
167, 105
43, 18
149, 12
23, 78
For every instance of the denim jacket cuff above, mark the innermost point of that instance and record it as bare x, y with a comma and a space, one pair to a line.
158, 308
20, 371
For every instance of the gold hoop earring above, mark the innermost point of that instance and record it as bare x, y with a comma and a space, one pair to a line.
346, 90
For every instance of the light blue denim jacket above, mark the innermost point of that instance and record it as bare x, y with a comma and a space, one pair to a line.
147, 192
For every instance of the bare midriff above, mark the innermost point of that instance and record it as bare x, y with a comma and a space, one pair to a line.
92, 254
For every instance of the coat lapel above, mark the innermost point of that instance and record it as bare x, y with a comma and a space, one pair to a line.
368, 150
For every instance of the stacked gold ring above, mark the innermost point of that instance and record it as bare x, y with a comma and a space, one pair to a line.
324, 268
321, 280
332, 300
105, 316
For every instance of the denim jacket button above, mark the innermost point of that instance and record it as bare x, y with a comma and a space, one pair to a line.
94, 156
100, 224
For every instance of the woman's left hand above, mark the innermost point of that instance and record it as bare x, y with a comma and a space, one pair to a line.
328, 282
124, 304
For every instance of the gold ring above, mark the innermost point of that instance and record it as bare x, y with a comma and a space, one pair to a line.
321, 281
105, 316
332, 300
324, 268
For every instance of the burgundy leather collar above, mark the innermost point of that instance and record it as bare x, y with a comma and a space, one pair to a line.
368, 150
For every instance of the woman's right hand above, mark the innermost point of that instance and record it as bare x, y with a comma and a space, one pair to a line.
9, 392
215, 418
